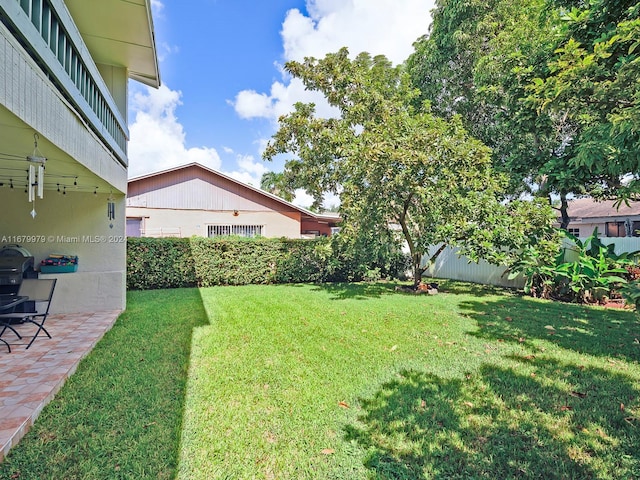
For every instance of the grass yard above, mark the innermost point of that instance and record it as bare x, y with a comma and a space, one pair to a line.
347, 381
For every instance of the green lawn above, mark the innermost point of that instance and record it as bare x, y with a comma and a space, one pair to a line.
347, 381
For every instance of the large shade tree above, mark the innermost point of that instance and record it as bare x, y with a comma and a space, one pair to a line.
537, 81
594, 80
398, 167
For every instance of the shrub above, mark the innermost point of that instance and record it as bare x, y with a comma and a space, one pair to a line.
183, 262
594, 273
159, 263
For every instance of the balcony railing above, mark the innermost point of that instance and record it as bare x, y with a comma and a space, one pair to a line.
46, 31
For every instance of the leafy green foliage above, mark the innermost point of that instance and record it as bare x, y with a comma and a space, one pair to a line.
631, 293
276, 183
594, 273
550, 85
593, 82
178, 262
159, 263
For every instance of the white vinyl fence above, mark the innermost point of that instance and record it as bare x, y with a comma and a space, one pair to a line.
450, 266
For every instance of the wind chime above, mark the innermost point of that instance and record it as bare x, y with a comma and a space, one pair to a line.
35, 181
111, 210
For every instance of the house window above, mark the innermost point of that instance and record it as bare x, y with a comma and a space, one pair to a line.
574, 231
239, 230
635, 229
616, 229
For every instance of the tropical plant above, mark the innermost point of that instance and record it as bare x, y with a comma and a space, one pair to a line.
591, 278
631, 293
540, 276
595, 272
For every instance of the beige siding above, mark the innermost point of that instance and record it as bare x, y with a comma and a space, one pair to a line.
194, 188
117, 82
586, 226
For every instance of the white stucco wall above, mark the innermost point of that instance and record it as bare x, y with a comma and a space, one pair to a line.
194, 222
73, 224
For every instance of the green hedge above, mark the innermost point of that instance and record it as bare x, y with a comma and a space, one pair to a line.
160, 263
185, 262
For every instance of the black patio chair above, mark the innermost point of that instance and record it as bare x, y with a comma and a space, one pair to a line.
40, 292
8, 305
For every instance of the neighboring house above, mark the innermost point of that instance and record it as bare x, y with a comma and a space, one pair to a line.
585, 214
195, 200
63, 103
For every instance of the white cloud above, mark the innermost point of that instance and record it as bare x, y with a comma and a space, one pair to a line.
250, 171
387, 27
158, 140
302, 198
157, 137
251, 104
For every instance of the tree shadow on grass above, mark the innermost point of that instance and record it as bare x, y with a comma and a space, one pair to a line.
364, 290
120, 415
583, 329
466, 288
563, 422
358, 291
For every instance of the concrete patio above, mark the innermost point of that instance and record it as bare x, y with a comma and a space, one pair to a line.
29, 379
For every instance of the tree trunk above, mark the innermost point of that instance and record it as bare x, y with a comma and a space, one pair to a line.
417, 268
564, 214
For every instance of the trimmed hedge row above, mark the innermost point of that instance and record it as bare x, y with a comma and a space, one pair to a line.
154, 263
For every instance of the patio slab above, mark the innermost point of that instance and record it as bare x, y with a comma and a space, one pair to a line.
29, 379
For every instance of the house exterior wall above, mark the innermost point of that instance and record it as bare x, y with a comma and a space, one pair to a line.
585, 227
196, 188
312, 225
117, 82
73, 224
185, 201
51, 91
165, 222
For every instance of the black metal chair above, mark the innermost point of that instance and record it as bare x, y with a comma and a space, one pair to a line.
8, 304
40, 292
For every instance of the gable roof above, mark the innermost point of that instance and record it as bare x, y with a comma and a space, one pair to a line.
331, 217
582, 208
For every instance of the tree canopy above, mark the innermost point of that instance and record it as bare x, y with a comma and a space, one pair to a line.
396, 166
550, 85
275, 182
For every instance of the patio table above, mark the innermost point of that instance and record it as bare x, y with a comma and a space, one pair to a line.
8, 304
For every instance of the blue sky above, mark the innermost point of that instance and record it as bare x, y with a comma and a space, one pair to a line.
222, 81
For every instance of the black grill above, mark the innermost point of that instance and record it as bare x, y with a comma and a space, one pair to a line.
16, 263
